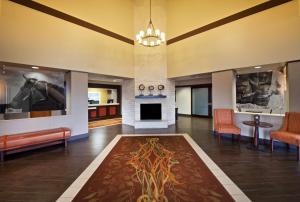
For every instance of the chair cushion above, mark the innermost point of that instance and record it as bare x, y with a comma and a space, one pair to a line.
294, 122
287, 137
1, 142
224, 116
34, 140
228, 129
9, 142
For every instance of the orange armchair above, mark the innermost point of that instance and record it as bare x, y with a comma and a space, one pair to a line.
289, 132
224, 123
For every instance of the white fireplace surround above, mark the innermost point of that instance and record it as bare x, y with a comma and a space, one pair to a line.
163, 123
131, 105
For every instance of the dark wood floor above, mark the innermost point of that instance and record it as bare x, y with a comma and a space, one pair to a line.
44, 174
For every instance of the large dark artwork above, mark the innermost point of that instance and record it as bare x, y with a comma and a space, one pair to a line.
38, 95
32, 90
260, 92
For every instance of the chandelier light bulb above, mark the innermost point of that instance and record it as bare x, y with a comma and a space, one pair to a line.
157, 32
152, 43
149, 31
142, 33
158, 42
163, 36
145, 43
138, 37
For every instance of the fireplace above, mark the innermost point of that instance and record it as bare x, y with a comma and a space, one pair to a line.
150, 111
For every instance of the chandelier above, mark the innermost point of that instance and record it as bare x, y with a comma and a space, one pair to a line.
151, 37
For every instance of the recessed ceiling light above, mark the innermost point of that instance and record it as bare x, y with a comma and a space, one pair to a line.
35, 67
258, 67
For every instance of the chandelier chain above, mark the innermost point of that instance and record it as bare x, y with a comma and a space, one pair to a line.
150, 12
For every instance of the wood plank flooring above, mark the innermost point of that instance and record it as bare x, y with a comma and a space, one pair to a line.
106, 122
44, 174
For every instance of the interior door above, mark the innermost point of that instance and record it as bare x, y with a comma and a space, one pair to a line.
201, 101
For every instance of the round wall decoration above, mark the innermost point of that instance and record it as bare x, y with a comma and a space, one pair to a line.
141, 87
151, 87
161, 87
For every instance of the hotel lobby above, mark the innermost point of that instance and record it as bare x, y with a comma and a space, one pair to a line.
149, 100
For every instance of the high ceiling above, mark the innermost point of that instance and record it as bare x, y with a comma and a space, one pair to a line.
102, 41
182, 16
114, 15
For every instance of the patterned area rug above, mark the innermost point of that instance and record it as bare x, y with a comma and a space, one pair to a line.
157, 168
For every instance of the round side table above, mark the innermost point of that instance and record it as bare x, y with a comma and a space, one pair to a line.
256, 126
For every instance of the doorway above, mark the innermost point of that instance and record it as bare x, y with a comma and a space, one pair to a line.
201, 100
194, 100
104, 106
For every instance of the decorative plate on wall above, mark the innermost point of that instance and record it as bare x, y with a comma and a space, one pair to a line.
161, 87
141, 88
150, 88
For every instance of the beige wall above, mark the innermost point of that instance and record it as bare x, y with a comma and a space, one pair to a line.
184, 16
31, 37
1, 7
193, 82
114, 15
268, 37
299, 6
223, 91
294, 83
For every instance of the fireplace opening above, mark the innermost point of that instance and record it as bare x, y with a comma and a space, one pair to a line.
150, 111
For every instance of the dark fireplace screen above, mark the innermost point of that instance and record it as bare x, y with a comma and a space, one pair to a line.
150, 111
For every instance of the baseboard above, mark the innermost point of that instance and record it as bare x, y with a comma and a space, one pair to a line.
78, 137
185, 115
193, 115
149, 124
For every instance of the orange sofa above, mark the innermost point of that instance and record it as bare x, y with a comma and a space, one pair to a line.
27, 141
289, 132
224, 123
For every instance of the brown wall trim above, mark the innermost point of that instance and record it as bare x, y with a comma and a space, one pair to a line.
293, 61
71, 19
245, 13
206, 85
27, 66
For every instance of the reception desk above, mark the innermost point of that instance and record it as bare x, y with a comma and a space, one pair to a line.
104, 111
